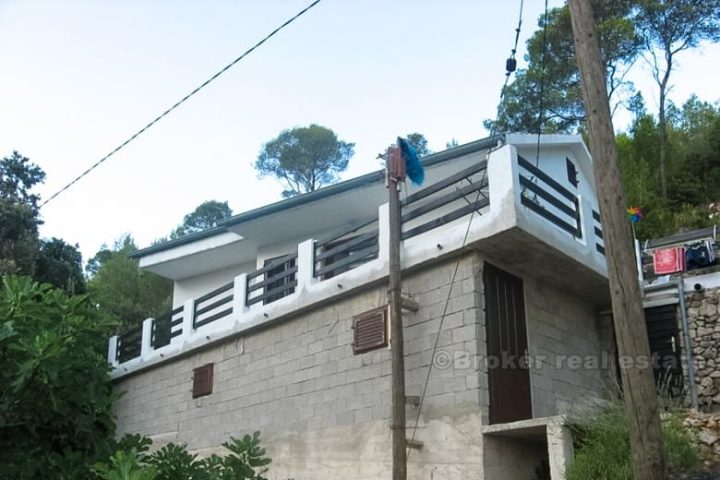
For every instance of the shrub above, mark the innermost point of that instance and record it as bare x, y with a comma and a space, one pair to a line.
55, 393
603, 446
245, 461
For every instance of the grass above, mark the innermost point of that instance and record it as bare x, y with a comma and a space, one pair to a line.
602, 450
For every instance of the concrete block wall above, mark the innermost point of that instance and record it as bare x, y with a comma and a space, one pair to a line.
570, 354
299, 383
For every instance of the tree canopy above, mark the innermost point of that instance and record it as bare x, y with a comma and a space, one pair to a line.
693, 168
550, 85
19, 216
304, 159
207, 215
60, 265
419, 142
122, 290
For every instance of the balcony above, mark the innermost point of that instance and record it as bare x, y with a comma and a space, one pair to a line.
504, 205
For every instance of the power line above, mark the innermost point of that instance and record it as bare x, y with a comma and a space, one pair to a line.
509, 69
180, 102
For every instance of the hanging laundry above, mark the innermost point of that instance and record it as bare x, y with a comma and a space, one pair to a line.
699, 255
669, 260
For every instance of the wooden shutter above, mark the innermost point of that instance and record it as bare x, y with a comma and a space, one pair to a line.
203, 380
370, 330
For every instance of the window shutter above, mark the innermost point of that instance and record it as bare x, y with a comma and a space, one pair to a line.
370, 330
203, 380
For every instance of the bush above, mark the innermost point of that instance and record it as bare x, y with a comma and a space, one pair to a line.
245, 461
603, 446
55, 394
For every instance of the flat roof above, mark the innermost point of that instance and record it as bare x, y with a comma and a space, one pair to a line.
316, 195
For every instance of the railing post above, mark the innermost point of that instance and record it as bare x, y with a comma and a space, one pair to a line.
112, 351
240, 296
306, 264
188, 319
145, 345
384, 232
503, 179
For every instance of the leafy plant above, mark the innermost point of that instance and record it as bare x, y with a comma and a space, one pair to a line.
55, 394
603, 446
246, 460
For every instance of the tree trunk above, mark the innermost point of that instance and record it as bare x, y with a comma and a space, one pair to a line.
628, 316
662, 125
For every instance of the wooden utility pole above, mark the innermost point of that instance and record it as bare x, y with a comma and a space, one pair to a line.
638, 384
399, 443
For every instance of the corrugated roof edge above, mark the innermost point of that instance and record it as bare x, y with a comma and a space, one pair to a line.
325, 192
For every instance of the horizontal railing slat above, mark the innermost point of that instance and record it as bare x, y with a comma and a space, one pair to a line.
212, 318
545, 178
443, 200
353, 227
272, 265
274, 292
285, 273
547, 196
354, 257
449, 217
454, 178
213, 305
598, 232
217, 291
548, 215
345, 245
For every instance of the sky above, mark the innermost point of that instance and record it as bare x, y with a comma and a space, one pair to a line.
80, 76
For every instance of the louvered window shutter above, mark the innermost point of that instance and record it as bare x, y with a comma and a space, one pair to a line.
370, 330
203, 380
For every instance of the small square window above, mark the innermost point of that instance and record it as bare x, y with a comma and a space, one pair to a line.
203, 380
571, 172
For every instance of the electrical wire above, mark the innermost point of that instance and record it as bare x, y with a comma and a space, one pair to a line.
508, 72
180, 102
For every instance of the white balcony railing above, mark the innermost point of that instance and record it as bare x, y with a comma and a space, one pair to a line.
500, 193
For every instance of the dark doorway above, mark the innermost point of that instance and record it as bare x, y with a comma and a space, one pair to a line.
664, 342
509, 377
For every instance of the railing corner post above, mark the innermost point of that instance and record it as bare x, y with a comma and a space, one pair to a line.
306, 264
384, 232
188, 323
112, 351
146, 345
240, 296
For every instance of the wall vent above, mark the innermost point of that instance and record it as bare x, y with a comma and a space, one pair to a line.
370, 330
203, 380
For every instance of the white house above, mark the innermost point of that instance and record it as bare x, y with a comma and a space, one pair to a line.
279, 321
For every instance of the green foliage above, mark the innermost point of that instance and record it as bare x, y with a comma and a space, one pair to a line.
127, 466
55, 392
207, 215
246, 460
419, 142
603, 446
552, 79
304, 159
60, 265
18, 214
693, 167
122, 290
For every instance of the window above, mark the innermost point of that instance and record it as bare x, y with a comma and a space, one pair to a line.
571, 172
288, 279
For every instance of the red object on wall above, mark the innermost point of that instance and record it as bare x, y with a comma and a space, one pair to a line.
669, 260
